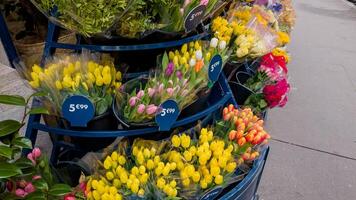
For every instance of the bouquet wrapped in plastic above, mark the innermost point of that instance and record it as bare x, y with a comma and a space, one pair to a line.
127, 18
182, 75
146, 17
84, 74
269, 85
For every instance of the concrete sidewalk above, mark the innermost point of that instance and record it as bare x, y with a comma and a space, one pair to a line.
313, 156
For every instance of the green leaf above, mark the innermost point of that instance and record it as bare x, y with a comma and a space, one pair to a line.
165, 60
38, 195
12, 100
101, 107
23, 163
41, 184
8, 170
39, 94
6, 152
39, 110
23, 142
60, 190
8, 127
262, 103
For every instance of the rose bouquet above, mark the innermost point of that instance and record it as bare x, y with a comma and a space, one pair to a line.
182, 74
76, 75
269, 86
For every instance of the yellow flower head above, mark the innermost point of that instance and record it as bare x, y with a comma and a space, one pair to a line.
37, 69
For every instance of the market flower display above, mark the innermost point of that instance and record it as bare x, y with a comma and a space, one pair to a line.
76, 75
183, 73
185, 166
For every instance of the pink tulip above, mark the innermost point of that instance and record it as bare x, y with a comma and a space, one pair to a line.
170, 91
151, 109
132, 101
30, 157
20, 193
160, 88
83, 186
36, 152
140, 94
30, 188
185, 82
204, 2
141, 108
151, 92
185, 93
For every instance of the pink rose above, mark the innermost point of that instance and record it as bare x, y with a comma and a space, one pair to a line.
132, 101
140, 94
141, 108
151, 109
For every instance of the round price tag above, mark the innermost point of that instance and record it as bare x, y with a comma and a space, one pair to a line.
168, 115
212, 194
194, 17
78, 110
215, 68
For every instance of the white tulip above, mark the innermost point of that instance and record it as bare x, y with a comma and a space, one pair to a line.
199, 55
192, 62
214, 42
222, 45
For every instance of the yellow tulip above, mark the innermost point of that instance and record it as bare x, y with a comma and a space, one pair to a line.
106, 70
184, 48
34, 76
91, 66
77, 66
36, 68
99, 81
59, 85
118, 76
71, 68
85, 86
67, 81
106, 79
171, 55
34, 84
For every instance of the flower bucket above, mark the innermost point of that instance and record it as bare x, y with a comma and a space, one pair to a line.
106, 121
240, 92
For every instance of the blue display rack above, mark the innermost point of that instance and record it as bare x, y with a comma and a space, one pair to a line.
7, 42
221, 94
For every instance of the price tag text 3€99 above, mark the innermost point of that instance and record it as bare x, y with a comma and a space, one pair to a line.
78, 110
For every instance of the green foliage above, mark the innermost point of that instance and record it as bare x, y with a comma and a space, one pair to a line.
59, 190
8, 170
12, 100
8, 127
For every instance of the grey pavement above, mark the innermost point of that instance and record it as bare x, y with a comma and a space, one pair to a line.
321, 113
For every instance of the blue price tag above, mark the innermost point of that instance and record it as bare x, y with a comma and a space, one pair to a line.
215, 68
194, 17
212, 194
78, 110
168, 115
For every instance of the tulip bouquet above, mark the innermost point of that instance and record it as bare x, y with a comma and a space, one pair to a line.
269, 85
182, 74
245, 130
76, 75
